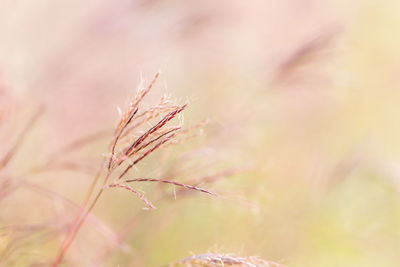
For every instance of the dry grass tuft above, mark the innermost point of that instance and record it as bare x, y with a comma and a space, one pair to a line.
214, 259
126, 151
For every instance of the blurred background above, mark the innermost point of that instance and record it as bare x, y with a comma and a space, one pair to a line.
303, 100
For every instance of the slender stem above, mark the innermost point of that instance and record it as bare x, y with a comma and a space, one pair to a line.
81, 217
92, 186
75, 229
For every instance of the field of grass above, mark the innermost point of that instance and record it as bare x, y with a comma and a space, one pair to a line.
200, 133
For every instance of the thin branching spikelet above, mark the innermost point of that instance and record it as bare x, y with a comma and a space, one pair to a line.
126, 151
139, 195
171, 182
